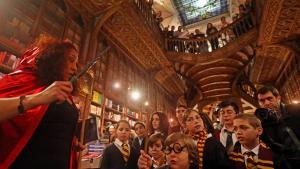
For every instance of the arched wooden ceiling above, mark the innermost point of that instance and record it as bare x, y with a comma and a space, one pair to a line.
126, 29
280, 22
212, 72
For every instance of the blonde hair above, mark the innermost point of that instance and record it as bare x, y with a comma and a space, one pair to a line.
252, 119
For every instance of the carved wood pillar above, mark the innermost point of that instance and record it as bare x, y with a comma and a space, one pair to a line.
67, 22
4, 5
37, 22
85, 40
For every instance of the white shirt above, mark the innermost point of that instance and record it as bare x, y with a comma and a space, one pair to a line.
140, 141
223, 137
254, 150
119, 143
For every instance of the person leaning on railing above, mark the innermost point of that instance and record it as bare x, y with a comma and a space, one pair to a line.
212, 30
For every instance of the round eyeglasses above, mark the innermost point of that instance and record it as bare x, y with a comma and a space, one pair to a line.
177, 148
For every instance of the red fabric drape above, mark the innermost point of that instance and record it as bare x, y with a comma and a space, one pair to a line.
16, 132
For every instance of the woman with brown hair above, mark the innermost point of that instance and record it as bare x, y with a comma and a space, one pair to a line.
41, 137
159, 124
211, 153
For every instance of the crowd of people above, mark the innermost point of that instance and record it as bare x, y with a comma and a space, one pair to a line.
195, 144
43, 114
182, 40
38, 126
216, 36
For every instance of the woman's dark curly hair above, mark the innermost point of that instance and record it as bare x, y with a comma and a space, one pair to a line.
51, 59
163, 123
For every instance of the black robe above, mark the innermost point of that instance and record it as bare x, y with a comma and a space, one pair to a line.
214, 155
112, 158
136, 144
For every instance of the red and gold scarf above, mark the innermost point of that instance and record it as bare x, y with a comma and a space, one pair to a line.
200, 138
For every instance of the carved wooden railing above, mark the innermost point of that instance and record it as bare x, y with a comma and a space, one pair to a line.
245, 89
223, 37
148, 16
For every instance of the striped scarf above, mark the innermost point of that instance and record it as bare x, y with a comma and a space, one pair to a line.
264, 161
201, 137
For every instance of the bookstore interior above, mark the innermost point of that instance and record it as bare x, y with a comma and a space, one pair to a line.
155, 56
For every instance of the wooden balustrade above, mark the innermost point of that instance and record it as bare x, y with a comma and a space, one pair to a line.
149, 16
212, 42
197, 45
245, 89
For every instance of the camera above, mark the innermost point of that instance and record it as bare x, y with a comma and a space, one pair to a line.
266, 115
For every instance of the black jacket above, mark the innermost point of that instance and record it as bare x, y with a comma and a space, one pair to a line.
215, 155
112, 158
136, 144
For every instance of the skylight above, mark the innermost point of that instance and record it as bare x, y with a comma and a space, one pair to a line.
192, 11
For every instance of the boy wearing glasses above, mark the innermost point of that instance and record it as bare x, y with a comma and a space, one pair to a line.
248, 152
228, 111
181, 153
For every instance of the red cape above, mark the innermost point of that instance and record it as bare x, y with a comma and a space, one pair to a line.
16, 132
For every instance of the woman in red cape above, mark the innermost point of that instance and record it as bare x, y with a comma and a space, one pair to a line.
22, 137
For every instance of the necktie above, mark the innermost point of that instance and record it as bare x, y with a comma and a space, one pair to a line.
250, 163
229, 141
125, 152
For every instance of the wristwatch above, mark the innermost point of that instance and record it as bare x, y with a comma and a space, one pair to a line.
21, 108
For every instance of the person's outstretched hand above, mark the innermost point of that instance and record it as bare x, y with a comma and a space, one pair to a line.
144, 161
58, 91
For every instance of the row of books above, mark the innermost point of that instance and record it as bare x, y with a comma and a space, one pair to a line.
112, 116
130, 121
133, 114
97, 97
110, 104
9, 59
95, 110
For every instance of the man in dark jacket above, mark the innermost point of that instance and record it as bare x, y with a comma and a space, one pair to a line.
281, 127
140, 130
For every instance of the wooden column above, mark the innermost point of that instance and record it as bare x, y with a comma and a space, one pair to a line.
4, 5
85, 40
67, 22
37, 22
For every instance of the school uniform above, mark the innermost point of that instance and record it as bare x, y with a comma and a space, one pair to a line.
228, 139
113, 158
138, 144
213, 154
259, 157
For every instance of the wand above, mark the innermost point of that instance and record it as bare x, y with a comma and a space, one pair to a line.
88, 66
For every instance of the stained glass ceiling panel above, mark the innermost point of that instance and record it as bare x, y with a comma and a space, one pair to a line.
192, 11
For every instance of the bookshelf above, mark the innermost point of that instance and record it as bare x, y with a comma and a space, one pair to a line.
96, 104
23, 20
113, 111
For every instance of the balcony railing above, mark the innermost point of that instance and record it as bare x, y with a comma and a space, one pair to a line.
196, 45
207, 44
145, 10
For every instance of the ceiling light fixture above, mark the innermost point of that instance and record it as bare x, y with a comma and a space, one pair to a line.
135, 95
